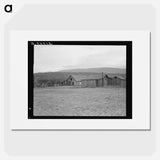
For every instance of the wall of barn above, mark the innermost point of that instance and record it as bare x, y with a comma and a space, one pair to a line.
78, 83
99, 82
120, 82
107, 81
102, 83
123, 83
116, 82
70, 81
88, 83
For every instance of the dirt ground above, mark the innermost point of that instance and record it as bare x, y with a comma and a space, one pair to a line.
69, 101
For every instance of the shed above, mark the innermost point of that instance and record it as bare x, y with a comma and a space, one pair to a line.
84, 80
115, 80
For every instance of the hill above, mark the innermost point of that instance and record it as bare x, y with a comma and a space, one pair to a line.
51, 78
98, 70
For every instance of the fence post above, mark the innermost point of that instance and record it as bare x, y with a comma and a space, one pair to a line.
102, 80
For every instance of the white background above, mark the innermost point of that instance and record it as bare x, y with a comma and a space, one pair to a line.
86, 145
19, 84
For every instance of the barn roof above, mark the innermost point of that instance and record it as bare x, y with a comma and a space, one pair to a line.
80, 77
92, 76
117, 76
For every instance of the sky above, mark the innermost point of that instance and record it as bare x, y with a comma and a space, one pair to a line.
52, 58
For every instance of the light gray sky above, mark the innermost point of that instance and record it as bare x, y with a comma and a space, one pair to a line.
51, 58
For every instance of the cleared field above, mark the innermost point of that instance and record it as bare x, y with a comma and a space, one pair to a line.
67, 101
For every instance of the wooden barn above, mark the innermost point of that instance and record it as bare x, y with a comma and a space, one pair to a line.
95, 80
72, 81
89, 83
113, 80
104, 81
83, 80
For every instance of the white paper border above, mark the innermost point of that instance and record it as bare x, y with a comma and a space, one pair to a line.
19, 84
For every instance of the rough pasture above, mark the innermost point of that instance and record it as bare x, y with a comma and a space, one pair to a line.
70, 101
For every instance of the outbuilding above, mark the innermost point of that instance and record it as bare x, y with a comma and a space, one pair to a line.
95, 80
83, 80
113, 80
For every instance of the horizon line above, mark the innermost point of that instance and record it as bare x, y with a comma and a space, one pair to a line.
77, 69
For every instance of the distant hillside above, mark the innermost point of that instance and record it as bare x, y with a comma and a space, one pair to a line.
50, 78
98, 70
62, 75
51, 75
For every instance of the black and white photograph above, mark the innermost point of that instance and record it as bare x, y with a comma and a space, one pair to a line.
80, 79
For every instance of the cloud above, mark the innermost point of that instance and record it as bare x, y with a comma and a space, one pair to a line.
54, 58
109, 58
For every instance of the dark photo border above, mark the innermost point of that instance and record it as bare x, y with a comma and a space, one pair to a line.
128, 45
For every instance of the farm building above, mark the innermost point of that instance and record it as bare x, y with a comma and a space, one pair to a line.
96, 80
115, 80
72, 81
83, 80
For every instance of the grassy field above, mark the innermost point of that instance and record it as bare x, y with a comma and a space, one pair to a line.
67, 101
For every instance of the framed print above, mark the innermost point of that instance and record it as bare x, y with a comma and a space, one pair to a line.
92, 88
81, 80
